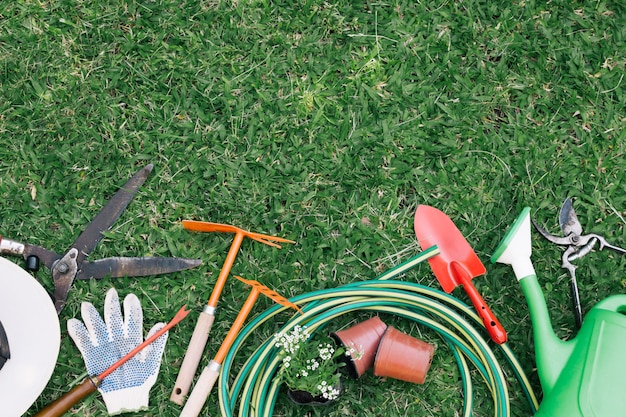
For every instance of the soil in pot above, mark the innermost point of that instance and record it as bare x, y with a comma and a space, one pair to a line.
306, 398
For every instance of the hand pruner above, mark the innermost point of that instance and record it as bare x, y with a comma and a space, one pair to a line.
578, 245
72, 265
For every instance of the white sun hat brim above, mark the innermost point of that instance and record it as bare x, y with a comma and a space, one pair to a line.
34, 335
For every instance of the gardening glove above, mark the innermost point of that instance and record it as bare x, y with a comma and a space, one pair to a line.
102, 343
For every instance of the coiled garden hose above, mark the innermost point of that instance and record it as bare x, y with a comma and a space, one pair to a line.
254, 390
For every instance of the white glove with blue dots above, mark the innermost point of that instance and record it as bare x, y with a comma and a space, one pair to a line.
104, 342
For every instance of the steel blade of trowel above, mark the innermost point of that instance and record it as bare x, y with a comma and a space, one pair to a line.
134, 267
90, 237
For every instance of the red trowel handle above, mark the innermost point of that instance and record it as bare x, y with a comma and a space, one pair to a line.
493, 326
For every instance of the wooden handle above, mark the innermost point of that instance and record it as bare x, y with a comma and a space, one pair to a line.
62, 404
201, 390
192, 357
493, 326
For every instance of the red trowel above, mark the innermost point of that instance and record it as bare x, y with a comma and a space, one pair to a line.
456, 264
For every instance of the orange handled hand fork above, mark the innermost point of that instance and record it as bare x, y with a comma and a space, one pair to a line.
211, 372
200, 334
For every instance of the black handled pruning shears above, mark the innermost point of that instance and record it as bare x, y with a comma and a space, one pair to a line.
578, 245
72, 265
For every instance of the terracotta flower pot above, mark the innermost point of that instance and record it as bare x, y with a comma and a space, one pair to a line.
364, 337
403, 357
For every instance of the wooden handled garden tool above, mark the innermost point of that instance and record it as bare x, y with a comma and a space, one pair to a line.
211, 372
207, 316
456, 264
62, 404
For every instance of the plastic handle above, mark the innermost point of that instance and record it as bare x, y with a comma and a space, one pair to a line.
62, 404
201, 391
493, 326
192, 358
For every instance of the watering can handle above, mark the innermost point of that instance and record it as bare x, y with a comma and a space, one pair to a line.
616, 303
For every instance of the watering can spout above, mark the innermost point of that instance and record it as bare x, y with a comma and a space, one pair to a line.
515, 249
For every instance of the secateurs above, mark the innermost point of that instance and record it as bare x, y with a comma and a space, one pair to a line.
578, 245
72, 265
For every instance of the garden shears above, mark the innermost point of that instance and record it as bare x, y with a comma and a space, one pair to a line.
72, 265
578, 245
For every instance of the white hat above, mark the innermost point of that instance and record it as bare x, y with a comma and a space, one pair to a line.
34, 335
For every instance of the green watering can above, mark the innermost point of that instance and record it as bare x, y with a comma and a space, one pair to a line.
582, 377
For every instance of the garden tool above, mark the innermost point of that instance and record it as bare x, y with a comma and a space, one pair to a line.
456, 264
582, 377
207, 316
578, 245
211, 372
126, 367
72, 265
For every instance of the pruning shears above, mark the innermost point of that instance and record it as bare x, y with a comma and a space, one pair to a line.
72, 265
578, 245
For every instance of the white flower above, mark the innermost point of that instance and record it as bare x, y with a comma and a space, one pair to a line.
354, 353
307, 365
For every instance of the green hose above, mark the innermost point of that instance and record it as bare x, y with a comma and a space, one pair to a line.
254, 390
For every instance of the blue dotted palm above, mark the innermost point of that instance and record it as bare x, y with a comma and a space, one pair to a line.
104, 342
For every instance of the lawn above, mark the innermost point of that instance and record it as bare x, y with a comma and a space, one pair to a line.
326, 123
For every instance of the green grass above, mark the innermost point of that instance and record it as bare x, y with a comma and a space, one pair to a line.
322, 122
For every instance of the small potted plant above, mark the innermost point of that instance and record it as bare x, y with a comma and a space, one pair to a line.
310, 366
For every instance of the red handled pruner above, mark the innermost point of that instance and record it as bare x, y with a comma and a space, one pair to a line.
578, 245
72, 265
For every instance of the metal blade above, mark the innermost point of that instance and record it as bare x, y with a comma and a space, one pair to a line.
90, 237
559, 240
568, 221
134, 267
